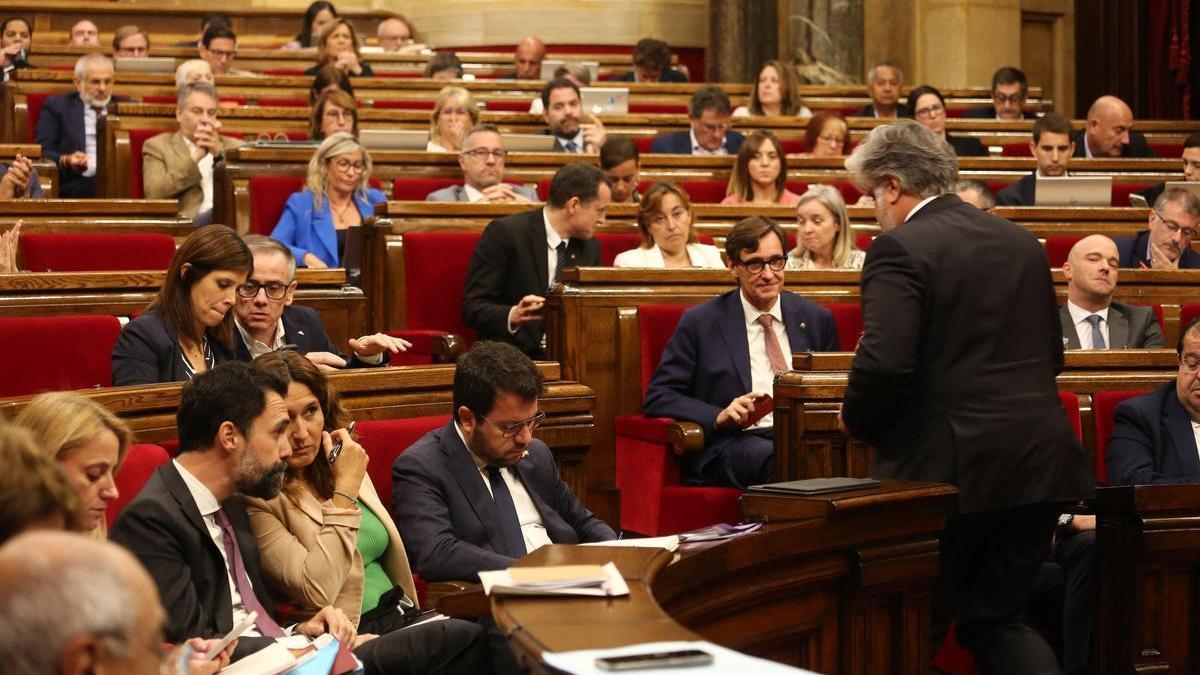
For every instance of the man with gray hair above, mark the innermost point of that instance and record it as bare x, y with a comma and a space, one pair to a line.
1167, 244
180, 165
482, 162
953, 381
976, 193
883, 86
66, 127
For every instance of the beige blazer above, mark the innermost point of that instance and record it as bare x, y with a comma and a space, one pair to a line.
309, 550
168, 171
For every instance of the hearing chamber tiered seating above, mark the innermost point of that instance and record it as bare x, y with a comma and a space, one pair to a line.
55, 353
86, 252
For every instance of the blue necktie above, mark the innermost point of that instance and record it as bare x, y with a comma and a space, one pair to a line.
1097, 336
571, 146
510, 525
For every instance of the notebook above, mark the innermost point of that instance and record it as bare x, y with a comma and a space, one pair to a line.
816, 486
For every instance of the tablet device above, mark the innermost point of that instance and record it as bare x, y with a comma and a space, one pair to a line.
605, 100
529, 142
816, 486
393, 139
146, 64
1073, 191
551, 65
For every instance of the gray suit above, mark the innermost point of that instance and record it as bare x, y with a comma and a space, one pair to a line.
1129, 327
458, 193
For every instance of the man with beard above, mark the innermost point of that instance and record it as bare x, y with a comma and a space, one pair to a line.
481, 492
67, 125
563, 112
190, 530
1167, 244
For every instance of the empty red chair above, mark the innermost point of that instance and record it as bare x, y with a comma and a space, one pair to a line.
416, 189
268, 196
848, 318
435, 273
33, 106
1071, 404
83, 344
1171, 150
1121, 192
141, 461
797, 186
1059, 246
384, 440
404, 104
653, 500
138, 138
1015, 150
643, 143
658, 109
862, 241
96, 252
1104, 403
613, 243
705, 191
1186, 314
792, 146
508, 106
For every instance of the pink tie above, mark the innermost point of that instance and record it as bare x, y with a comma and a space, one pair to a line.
774, 351
266, 625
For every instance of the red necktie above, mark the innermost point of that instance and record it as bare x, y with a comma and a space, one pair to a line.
266, 625
774, 351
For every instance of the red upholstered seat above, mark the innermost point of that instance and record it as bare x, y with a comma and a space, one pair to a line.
643, 143
94, 252
1104, 403
269, 102
612, 243
83, 345
268, 195
284, 72
509, 106
849, 320
1187, 313
1121, 192
384, 440
792, 146
1071, 404
1058, 247
407, 104
1015, 150
797, 186
862, 241
141, 461
658, 108
953, 658
435, 272
416, 189
33, 104
1171, 150
997, 185
653, 501
705, 191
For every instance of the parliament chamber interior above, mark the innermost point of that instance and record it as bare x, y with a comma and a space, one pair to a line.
185, 187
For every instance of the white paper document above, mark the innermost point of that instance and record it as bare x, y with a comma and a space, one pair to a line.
725, 661
502, 582
669, 542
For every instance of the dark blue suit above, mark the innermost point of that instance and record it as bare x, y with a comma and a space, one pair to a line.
308, 230
680, 143
1133, 250
706, 364
448, 519
302, 327
668, 75
1152, 441
60, 131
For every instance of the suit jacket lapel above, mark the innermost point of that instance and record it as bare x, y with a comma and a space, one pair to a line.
798, 331
466, 474
1179, 425
550, 518
733, 330
322, 223
1068, 328
78, 132
1118, 329
537, 249
183, 496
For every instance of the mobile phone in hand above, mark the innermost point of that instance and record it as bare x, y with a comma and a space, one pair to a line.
763, 405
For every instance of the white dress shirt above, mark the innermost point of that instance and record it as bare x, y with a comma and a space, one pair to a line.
255, 347
698, 149
762, 377
89, 139
552, 240
532, 529
699, 255
206, 176
1196, 434
1083, 329
578, 140
473, 196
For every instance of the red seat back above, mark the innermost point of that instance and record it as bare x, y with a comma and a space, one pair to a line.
656, 324
520, 106
1059, 246
55, 353
96, 252
1187, 313
435, 272
409, 104
270, 102
1171, 150
862, 241
1015, 150
849, 320
268, 196
643, 143
658, 109
417, 189
33, 103
612, 243
1104, 403
792, 146
797, 186
384, 440
1071, 404
138, 138
705, 191
1121, 192
141, 461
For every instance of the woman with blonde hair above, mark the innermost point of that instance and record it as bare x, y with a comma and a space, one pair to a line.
454, 112
87, 441
316, 221
760, 173
824, 240
668, 238
34, 493
776, 93
338, 45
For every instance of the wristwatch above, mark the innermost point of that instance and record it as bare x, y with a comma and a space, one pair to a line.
1066, 519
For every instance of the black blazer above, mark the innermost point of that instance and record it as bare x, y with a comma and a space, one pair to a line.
989, 113
448, 520
366, 70
60, 131
1152, 441
966, 146
302, 327
147, 352
1138, 147
1129, 327
510, 262
668, 75
163, 528
1133, 252
868, 110
953, 380
1020, 193
680, 143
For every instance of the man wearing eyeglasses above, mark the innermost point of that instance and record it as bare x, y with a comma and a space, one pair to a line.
709, 114
218, 46
481, 492
482, 162
720, 365
1009, 89
267, 320
1167, 245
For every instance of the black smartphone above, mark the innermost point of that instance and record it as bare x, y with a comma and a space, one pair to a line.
682, 658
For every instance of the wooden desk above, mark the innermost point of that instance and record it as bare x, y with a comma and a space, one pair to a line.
834, 583
60, 216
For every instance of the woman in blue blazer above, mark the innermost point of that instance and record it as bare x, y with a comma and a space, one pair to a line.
315, 221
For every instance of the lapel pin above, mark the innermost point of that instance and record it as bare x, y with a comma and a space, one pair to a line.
803, 326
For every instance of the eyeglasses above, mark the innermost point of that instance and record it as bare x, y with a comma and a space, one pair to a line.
1173, 227
222, 54
348, 166
1189, 363
756, 265
930, 111
510, 429
1014, 99
719, 128
273, 289
483, 153
336, 113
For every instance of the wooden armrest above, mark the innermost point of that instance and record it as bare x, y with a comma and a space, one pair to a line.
685, 438
436, 589
460, 599
448, 347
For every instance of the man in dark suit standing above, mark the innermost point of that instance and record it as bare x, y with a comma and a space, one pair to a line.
652, 63
1167, 244
67, 126
1009, 89
519, 257
954, 381
1109, 132
481, 492
267, 320
724, 356
1090, 318
1154, 435
709, 113
1052, 147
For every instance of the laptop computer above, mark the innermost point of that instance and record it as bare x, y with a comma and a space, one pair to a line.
393, 139
551, 65
529, 142
1073, 191
605, 100
147, 64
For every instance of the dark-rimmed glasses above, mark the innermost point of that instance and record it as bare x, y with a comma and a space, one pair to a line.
273, 289
756, 265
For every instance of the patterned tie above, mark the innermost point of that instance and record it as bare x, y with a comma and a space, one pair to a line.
1097, 336
266, 625
510, 525
774, 351
560, 260
571, 146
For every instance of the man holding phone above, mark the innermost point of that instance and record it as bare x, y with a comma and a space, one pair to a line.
718, 370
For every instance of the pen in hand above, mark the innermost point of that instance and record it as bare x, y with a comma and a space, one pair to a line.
337, 446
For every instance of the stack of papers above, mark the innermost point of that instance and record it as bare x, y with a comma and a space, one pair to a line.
588, 580
669, 542
718, 531
583, 661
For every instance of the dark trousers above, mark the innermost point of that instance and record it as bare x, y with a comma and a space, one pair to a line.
451, 646
989, 563
1077, 558
738, 460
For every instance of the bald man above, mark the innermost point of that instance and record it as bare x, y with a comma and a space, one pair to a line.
1090, 319
531, 51
1109, 132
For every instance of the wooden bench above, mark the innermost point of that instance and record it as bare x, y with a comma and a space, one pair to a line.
98, 215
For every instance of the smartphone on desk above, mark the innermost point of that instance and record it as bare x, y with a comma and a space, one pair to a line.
682, 658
